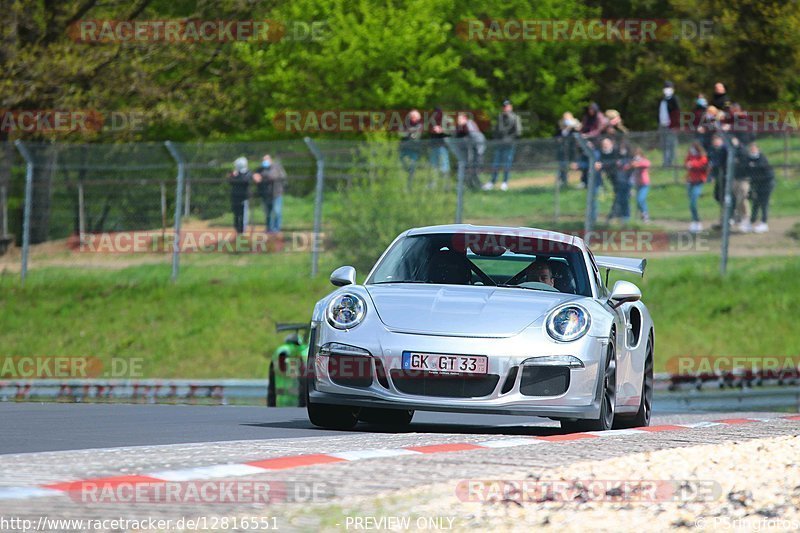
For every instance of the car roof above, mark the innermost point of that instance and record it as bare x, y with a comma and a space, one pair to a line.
535, 233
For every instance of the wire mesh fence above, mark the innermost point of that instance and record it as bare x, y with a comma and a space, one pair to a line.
117, 205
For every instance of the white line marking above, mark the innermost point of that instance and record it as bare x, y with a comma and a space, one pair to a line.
370, 454
22, 493
207, 472
700, 425
508, 443
615, 432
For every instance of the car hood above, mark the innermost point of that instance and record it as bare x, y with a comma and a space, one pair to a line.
460, 310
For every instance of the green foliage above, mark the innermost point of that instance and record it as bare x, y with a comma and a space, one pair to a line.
381, 204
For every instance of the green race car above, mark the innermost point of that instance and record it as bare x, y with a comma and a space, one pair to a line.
287, 368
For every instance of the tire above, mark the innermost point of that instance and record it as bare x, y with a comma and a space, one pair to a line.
642, 417
271, 398
608, 398
330, 416
386, 417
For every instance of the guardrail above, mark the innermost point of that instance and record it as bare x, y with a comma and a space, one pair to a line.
254, 391
218, 391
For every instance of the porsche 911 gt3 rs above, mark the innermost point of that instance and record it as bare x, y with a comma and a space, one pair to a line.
482, 319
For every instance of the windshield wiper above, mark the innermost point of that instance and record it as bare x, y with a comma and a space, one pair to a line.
506, 285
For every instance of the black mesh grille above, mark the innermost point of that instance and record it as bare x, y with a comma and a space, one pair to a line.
350, 370
422, 383
544, 380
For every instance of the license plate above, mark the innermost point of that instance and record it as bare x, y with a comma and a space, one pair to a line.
451, 364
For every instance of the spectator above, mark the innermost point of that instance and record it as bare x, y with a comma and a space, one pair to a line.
276, 175
720, 99
697, 174
717, 166
507, 130
239, 181
610, 163
710, 124
593, 123
739, 124
410, 138
441, 128
620, 181
741, 189
700, 107
473, 147
640, 167
264, 189
565, 144
669, 111
762, 179
614, 127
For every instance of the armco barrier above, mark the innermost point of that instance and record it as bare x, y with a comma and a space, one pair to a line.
668, 397
218, 391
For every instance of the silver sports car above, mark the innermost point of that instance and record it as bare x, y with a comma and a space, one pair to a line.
481, 319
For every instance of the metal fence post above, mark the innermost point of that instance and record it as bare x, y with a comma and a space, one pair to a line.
81, 214
591, 196
315, 245
188, 198
163, 211
458, 148
4, 209
176, 155
727, 202
26, 217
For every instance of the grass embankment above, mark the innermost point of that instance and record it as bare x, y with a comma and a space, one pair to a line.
218, 320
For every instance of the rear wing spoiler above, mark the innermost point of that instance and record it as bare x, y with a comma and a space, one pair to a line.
624, 264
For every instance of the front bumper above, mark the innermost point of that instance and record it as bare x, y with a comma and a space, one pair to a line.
581, 399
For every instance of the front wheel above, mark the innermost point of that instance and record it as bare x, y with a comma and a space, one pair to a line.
608, 398
330, 416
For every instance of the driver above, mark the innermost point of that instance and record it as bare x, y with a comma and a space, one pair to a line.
540, 271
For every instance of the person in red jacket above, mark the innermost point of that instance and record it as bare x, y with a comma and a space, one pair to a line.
697, 174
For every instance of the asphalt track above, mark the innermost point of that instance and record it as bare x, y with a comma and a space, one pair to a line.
43, 427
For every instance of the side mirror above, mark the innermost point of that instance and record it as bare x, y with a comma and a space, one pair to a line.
623, 292
342, 276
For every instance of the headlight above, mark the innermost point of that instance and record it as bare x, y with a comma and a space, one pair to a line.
568, 323
346, 311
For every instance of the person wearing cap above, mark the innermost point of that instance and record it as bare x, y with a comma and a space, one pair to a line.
239, 181
507, 130
669, 111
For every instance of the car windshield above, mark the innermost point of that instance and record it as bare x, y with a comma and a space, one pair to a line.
485, 260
